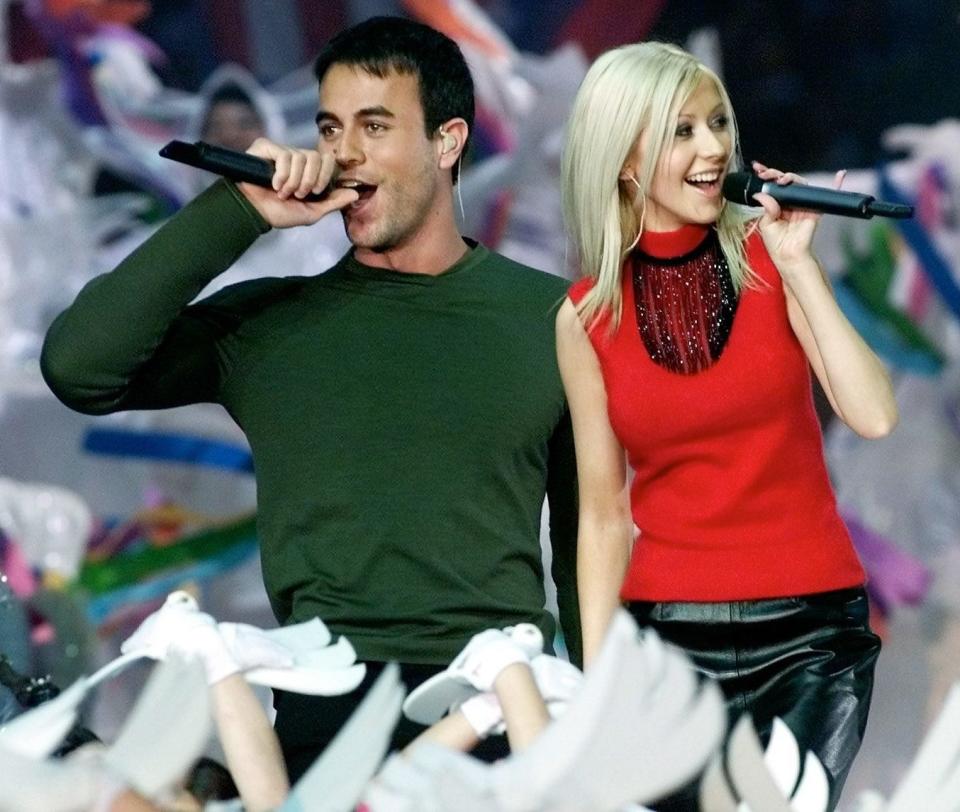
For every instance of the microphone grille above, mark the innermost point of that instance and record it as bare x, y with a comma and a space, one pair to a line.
740, 187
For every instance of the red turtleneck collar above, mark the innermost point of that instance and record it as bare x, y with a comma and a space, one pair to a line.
669, 244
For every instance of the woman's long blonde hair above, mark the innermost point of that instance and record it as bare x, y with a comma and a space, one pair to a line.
626, 91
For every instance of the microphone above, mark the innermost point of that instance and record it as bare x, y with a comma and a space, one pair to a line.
233, 165
740, 187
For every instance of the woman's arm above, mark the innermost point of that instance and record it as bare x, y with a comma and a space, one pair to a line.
853, 378
605, 534
249, 744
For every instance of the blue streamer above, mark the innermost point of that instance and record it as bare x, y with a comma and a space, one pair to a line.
103, 606
882, 337
182, 448
934, 266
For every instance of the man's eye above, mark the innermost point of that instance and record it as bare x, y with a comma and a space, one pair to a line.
327, 130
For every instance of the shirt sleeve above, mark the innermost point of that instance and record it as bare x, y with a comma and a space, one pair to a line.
129, 341
563, 500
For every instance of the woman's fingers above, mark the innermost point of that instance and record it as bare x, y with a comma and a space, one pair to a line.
783, 178
771, 209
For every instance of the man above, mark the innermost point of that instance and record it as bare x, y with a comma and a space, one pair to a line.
404, 409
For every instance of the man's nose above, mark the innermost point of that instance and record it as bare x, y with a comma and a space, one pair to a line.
349, 149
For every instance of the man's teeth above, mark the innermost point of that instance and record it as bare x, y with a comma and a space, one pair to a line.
704, 177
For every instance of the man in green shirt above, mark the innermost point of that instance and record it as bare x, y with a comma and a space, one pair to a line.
404, 409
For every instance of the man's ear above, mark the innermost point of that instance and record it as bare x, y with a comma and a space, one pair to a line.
451, 140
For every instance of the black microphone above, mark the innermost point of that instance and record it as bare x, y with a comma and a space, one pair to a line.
740, 187
236, 166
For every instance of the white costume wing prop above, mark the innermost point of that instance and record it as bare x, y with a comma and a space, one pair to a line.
433, 698
933, 780
764, 781
432, 778
626, 735
639, 698
715, 793
164, 734
296, 658
752, 780
166, 730
317, 669
335, 781
37, 732
53, 786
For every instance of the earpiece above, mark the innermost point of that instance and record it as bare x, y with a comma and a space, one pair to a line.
449, 142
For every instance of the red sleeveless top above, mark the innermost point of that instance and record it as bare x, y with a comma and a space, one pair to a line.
730, 492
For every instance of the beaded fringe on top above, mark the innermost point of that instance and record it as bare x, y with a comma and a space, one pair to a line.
684, 306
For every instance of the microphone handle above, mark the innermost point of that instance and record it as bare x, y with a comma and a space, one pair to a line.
829, 201
236, 166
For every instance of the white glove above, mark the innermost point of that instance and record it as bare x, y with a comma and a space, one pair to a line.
473, 670
483, 713
295, 658
175, 619
180, 626
484, 657
252, 648
557, 680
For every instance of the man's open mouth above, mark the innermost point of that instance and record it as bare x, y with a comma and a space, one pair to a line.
363, 189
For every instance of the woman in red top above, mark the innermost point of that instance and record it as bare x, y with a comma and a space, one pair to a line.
686, 354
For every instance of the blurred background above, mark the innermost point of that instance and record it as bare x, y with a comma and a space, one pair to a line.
100, 518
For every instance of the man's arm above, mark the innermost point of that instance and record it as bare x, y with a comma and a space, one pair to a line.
125, 342
562, 496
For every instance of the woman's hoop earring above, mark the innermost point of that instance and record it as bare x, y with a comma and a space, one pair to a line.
643, 214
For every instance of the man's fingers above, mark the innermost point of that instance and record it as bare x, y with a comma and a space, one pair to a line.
839, 178
338, 199
311, 172
297, 163
281, 170
328, 165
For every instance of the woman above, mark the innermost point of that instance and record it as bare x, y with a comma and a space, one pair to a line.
686, 352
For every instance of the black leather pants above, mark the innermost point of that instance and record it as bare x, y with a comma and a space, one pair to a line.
808, 660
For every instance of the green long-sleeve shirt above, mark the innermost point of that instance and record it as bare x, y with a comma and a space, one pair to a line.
404, 427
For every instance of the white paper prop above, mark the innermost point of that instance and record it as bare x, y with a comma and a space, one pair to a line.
770, 781
335, 781
166, 730
640, 727
485, 653
933, 779
163, 735
36, 733
295, 658
640, 698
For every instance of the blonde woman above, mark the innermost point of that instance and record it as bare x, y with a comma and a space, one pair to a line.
686, 354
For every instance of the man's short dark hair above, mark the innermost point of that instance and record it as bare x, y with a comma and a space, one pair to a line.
382, 45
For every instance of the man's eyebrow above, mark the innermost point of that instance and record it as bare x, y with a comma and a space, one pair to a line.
378, 110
